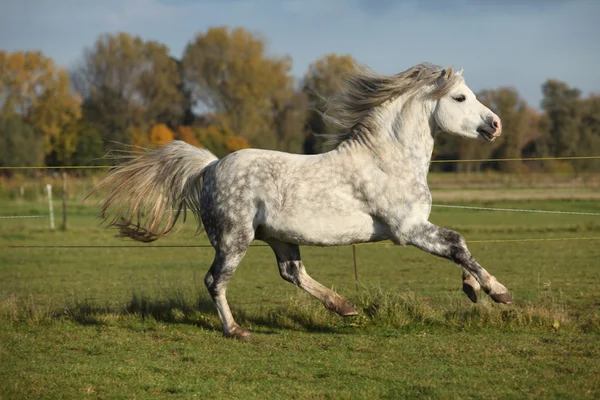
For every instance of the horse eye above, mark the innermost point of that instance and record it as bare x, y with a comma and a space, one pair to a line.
460, 98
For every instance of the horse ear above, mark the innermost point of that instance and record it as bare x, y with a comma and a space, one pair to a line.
442, 77
460, 72
449, 72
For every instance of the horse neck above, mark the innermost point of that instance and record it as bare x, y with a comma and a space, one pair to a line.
401, 136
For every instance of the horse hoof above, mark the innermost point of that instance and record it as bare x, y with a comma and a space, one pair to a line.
240, 334
504, 298
470, 292
346, 309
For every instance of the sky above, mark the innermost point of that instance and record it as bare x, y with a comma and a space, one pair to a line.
516, 43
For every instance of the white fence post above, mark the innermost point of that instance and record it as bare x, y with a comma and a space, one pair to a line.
49, 191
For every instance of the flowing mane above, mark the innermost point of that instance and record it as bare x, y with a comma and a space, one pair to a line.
364, 90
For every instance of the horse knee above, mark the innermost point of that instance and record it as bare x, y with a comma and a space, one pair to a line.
289, 271
457, 247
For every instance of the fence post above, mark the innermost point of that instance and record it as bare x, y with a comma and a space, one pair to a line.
355, 267
49, 191
64, 200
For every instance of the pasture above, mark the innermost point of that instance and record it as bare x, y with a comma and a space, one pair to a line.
136, 321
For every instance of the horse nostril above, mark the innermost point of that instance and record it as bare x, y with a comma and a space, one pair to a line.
495, 124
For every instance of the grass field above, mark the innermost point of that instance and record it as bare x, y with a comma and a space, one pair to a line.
136, 322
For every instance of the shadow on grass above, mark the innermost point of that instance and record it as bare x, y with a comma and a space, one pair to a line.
176, 306
308, 319
168, 307
378, 309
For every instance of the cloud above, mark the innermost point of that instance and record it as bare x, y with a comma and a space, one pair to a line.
499, 42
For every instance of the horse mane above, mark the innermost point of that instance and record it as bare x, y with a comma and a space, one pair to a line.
364, 90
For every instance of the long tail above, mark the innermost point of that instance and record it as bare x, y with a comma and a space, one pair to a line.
147, 195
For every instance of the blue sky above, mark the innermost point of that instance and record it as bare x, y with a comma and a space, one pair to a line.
499, 43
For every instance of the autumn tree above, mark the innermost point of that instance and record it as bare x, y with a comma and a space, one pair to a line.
220, 141
186, 134
290, 121
231, 76
322, 80
128, 84
34, 88
160, 135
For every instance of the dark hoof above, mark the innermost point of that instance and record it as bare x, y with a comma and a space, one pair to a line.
470, 292
240, 334
504, 298
342, 307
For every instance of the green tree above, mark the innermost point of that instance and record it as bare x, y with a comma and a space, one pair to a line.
90, 146
230, 75
322, 80
19, 144
513, 111
589, 131
289, 122
128, 83
562, 106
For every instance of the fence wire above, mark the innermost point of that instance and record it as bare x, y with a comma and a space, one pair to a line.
523, 159
432, 161
525, 210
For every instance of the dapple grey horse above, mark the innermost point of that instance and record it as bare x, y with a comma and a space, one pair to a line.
371, 187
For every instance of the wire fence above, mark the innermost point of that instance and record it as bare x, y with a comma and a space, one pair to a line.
478, 208
434, 205
480, 160
208, 246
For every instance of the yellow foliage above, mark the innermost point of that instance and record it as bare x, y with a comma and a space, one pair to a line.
235, 143
185, 133
139, 137
325, 75
32, 86
160, 135
221, 141
232, 74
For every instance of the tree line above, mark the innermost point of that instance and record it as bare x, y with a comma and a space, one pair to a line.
227, 93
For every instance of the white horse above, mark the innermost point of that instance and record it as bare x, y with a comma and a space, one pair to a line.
371, 187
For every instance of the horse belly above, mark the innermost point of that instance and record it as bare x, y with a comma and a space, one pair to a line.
326, 229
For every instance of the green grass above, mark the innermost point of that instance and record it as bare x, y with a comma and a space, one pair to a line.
137, 323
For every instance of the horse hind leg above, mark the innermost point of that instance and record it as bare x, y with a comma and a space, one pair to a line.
216, 280
291, 268
231, 242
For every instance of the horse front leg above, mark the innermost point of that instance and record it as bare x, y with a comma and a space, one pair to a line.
451, 245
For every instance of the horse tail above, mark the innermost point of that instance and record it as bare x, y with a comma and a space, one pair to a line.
147, 194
